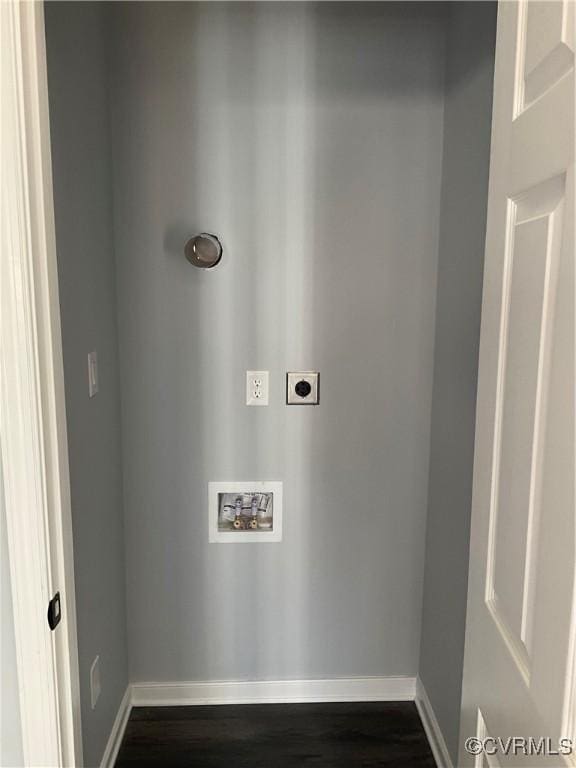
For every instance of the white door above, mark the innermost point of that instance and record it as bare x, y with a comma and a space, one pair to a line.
33, 447
519, 656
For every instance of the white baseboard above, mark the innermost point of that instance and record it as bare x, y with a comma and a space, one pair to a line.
117, 732
274, 691
432, 728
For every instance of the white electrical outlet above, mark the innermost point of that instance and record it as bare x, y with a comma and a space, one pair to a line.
256, 387
95, 686
92, 374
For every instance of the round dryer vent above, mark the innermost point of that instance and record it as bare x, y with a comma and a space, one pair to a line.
203, 250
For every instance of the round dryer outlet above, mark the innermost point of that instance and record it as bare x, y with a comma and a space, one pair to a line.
302, 388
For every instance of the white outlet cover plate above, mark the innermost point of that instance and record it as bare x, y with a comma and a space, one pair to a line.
312, 378
257, 387
216, 536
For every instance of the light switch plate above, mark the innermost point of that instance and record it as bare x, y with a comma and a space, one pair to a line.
95, 686
302, 388
257, 387
92, 374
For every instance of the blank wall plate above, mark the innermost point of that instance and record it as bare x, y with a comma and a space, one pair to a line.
257, 387
95, 686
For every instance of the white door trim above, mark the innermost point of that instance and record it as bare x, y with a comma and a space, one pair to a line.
32, 406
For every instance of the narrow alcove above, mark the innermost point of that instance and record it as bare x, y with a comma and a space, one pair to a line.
339, 152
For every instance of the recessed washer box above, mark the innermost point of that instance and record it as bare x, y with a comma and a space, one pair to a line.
244, 512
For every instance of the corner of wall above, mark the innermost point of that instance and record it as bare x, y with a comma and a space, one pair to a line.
467, 121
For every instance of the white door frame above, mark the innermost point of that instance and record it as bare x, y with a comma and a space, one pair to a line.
32, 406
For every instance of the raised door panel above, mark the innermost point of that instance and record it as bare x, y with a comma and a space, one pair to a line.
547, 48
529, 277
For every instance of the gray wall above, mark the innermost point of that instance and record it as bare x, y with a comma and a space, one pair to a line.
11, 754
467, 117
310, 138
77, 75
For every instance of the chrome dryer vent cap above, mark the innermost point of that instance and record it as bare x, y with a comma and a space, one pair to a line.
203, 250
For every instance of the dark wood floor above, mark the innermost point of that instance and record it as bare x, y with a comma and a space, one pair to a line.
359, 735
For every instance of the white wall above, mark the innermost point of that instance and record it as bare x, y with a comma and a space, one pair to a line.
467, 119
11, 755
78, 82
310, 138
